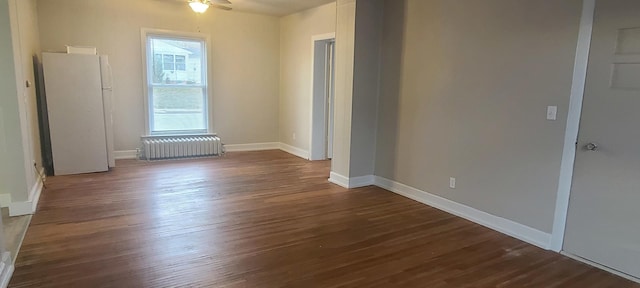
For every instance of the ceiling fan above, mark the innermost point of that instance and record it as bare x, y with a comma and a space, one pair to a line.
201, 6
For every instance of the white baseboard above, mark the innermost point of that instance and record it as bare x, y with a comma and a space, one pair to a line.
351, 183
6, 269
5, 200
126, 154
29, 207
600, 266
252, 147
304, 154
362, 181
502, 225
339, 180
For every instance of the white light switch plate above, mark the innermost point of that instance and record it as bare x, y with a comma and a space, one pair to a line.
552, 112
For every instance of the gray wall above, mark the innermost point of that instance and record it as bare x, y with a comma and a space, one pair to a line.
465, 86
368, 25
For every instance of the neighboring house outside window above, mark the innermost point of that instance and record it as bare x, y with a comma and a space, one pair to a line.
176, 84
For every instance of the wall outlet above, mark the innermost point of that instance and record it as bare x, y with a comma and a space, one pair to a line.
452, 183
552, 113
294, 136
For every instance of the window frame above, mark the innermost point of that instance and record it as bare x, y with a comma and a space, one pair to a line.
146, 83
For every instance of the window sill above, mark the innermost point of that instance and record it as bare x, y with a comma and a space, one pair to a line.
172, 135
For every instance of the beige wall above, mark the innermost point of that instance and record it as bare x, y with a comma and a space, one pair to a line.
296, 31
19, 136
29, 47
465, 86
12, 170
345, 53
244, 78
358, 47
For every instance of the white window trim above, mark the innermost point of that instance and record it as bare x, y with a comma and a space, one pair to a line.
144, 33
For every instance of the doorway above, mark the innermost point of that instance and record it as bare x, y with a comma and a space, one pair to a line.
323, 94
602, 224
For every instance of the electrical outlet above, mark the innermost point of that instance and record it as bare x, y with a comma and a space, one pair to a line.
452, 183
294, 136
552, 113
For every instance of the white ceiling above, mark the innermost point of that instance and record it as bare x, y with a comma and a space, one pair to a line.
275, 7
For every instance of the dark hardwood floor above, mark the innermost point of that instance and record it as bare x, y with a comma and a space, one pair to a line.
266, 219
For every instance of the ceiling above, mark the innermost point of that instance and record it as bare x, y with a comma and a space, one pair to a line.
276, 7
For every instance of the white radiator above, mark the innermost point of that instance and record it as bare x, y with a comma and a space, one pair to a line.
159, 148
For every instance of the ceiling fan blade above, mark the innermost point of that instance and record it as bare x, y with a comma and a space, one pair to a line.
223, 2
221, 7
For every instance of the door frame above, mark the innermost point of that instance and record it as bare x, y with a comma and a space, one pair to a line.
316, 151
573, 125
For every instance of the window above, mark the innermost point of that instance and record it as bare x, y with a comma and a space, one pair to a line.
176, 84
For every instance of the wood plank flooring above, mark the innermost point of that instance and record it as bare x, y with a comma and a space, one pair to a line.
266, 219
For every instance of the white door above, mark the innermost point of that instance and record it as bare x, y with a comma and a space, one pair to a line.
76, 113
603, 223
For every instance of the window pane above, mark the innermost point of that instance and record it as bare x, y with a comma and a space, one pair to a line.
178, 109
182, 61
167, 62
177, 85
158, 72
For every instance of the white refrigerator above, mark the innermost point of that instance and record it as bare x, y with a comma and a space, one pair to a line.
79, 103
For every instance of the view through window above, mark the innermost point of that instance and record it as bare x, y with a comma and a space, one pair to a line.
177, 85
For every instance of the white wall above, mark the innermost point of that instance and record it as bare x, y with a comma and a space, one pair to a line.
465, 86
296, 31
244, 78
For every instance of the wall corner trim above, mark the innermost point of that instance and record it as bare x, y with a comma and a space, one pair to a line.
502, 225
29, 207
304, 154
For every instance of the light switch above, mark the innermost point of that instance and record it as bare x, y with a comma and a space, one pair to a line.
552, 113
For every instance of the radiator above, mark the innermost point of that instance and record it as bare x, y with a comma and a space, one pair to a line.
159, 148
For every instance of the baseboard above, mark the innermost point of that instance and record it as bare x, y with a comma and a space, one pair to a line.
601, 267
362, 181
5, 200
339, 180
29, 207
502, 225
126, 154
351, 183
6, 269
252, 147
304, 154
